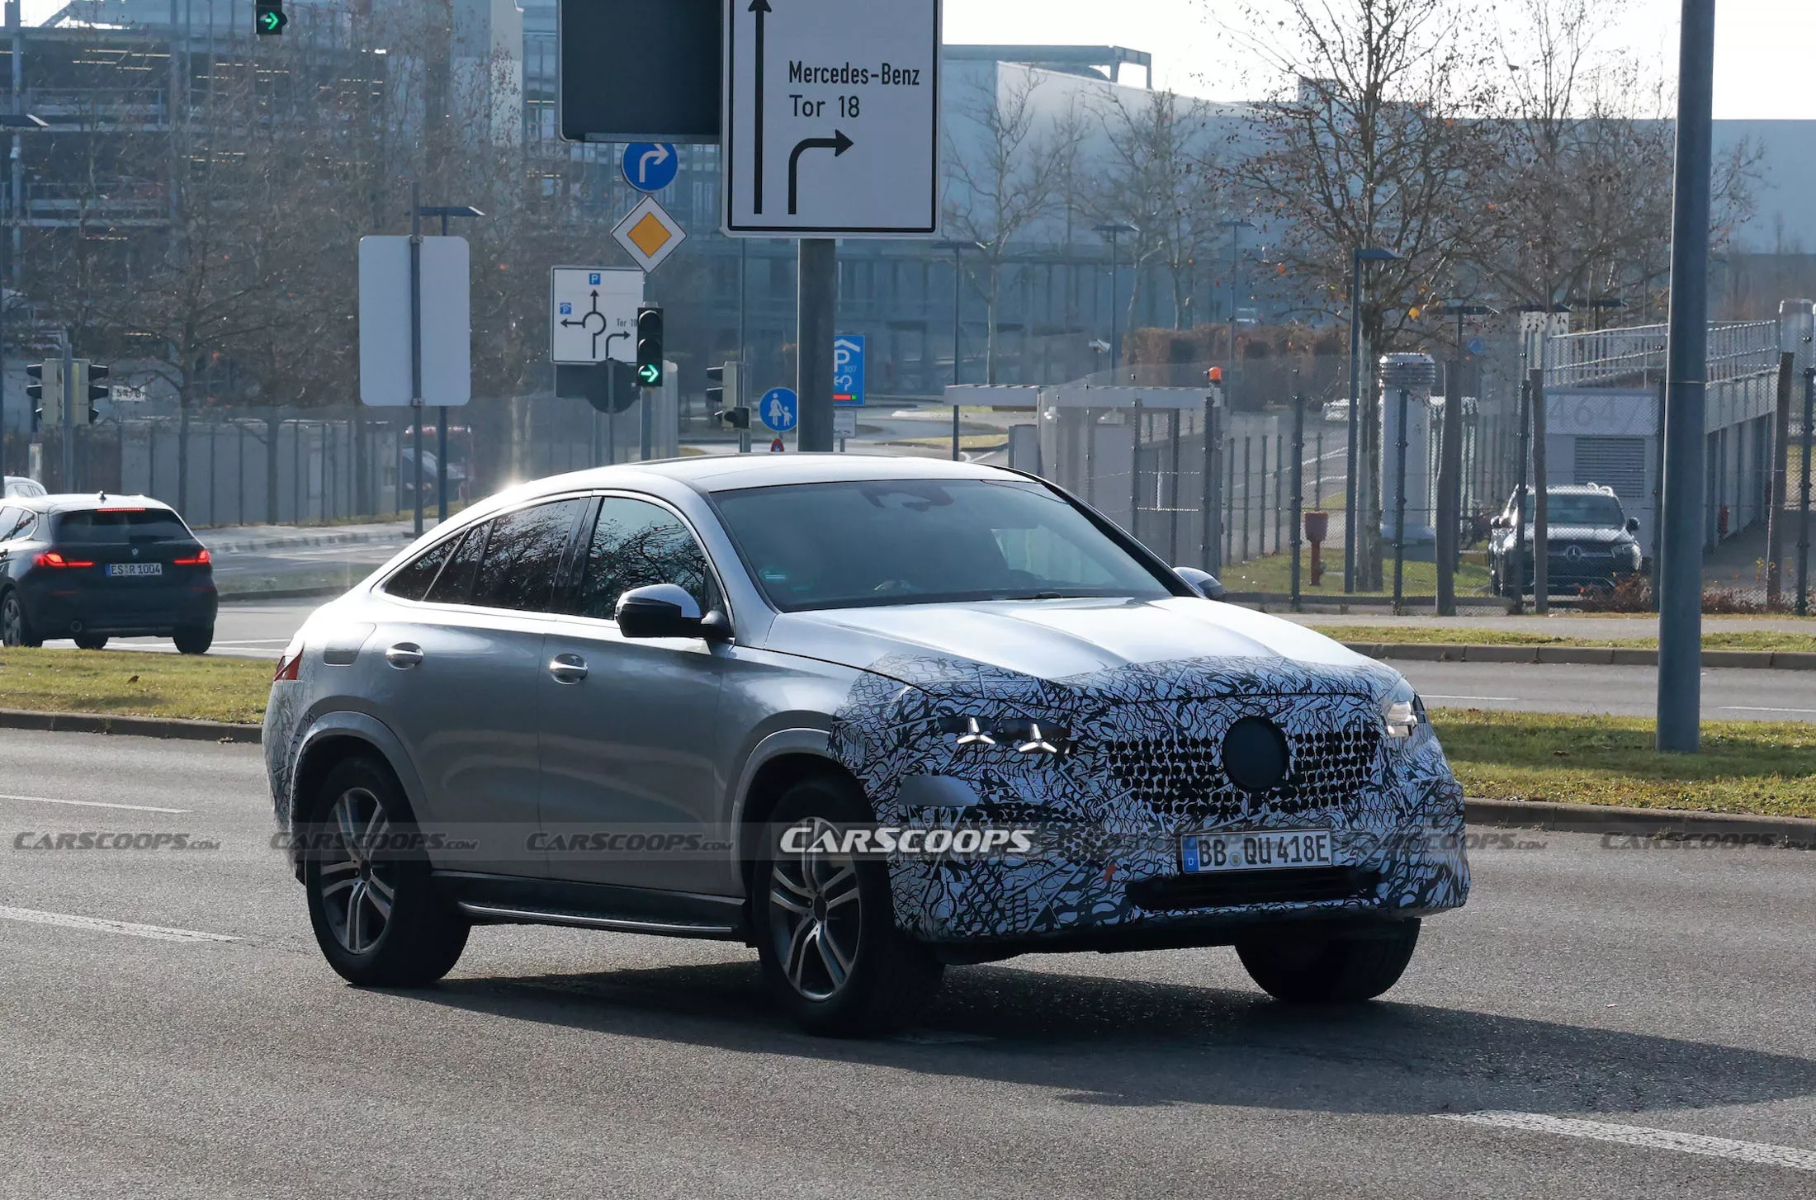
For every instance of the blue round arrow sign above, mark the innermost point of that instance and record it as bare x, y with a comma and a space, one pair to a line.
650, 166
779, 409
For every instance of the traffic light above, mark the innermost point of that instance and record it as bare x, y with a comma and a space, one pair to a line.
46, 392
268, 17
649, 347
86, 390
724, 399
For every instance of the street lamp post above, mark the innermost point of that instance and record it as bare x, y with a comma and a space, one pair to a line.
1350, 527
1113, 231
958, 250
1235, 227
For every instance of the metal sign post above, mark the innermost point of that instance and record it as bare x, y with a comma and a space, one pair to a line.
416, 339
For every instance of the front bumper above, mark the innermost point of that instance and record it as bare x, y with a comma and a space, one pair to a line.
1108, 873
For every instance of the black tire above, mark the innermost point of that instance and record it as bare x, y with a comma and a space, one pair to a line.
887, 977
1324, 969
422, 935
15, 626
91, 641
195, 639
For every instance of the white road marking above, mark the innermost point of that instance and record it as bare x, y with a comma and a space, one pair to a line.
95, 804
1756, 708
1504, 699
102, 925
1651, 1139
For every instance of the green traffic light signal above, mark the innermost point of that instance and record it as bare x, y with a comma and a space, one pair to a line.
270, 17
650, 375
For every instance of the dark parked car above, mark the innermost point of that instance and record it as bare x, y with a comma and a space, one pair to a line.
1590, 541
92, 567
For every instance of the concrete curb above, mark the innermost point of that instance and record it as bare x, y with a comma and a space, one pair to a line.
157, 727
307, 593
1673, 823
1624, 656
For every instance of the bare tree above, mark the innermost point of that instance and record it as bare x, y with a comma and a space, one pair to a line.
1164, 181
1005, 174
1372, 147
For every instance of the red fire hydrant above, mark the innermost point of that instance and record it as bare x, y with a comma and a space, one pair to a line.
1317, 525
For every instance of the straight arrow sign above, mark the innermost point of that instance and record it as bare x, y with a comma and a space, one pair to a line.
838, 143
762, 9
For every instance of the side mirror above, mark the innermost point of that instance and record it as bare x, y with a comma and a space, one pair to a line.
659, 610
1632, 524
1203, 582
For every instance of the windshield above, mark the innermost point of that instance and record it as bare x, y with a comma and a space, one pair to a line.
918, 541
1581, 508
121, 526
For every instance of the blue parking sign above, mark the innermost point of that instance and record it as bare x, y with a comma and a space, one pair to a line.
848, 369
779, 409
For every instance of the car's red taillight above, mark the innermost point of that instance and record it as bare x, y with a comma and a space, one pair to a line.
200, 560
289, 666
50, 558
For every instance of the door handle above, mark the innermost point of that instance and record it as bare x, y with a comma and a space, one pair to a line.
404, 655
567, 668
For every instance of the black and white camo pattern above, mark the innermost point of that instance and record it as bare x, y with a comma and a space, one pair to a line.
1141, 771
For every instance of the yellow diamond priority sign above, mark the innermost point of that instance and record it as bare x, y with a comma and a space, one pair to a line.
648, 234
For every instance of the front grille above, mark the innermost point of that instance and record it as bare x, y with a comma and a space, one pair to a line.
1173, 770
1289, 885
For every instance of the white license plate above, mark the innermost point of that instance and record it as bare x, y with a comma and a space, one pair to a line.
1254, 850
135, 568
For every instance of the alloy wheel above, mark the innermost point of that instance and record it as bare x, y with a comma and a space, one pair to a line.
816, 914
12, 621
358, 887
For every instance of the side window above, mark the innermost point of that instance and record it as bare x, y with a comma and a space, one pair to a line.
9, 522
635, 544
411, 582
523, 556
455, 583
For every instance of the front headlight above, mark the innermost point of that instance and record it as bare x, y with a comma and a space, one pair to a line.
1401, 711
1631, 555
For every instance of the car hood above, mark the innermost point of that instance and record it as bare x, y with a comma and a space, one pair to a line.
1054, 639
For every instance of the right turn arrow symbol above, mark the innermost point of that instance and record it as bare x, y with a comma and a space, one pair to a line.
838, 143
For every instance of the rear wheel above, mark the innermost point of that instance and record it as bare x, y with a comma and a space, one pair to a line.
376, 914
91, 641
194, 640
1330, 969
832, 955
15, 627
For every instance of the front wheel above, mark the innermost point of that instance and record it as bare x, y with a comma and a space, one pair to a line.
194, 640
376, 914
1330, 969
15, 626
831, 953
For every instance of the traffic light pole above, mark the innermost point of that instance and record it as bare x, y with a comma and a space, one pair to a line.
416, 340
69, 415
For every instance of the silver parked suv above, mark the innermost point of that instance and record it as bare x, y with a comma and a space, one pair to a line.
872, 716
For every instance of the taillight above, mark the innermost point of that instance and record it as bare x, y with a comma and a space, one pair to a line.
200, 560
290, 664
50, 558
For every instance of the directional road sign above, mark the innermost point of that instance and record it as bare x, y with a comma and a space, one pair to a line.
384, 321
780, 409
593, 313
650, 166
848, 369
648, 234
832, 117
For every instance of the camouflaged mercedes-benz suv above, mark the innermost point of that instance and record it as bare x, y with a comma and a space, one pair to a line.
872, 716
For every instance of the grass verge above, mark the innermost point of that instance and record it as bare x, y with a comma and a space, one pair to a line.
1274, 574
1744, 767
1720, 639
134, 683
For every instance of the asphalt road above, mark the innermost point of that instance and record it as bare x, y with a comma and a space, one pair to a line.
1643, 1012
